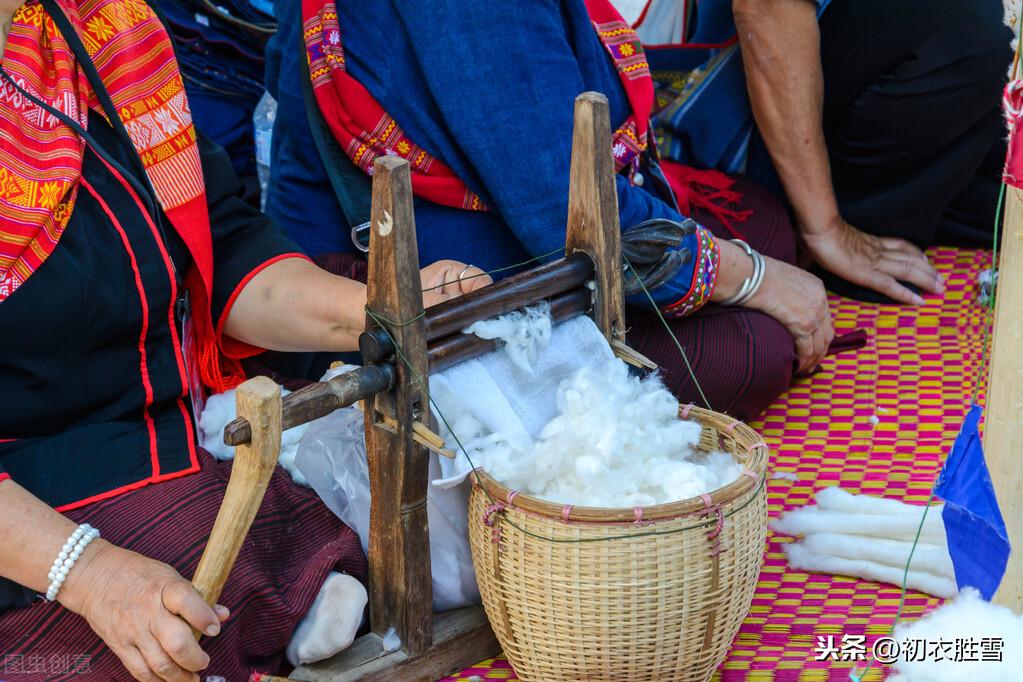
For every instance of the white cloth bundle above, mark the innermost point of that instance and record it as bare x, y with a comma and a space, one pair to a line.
871, 538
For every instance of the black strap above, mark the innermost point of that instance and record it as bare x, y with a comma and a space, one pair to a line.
352, 187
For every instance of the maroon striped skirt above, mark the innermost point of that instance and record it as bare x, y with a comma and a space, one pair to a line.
743, 359
294, 543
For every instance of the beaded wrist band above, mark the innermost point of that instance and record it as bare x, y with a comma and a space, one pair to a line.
753, 282
69, 554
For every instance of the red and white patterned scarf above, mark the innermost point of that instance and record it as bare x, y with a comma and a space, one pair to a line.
41, 157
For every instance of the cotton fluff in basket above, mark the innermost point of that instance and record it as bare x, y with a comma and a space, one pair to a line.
558, 417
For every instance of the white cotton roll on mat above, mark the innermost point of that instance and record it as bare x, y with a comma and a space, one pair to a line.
808, 520
933, 559
801, 558
837, 499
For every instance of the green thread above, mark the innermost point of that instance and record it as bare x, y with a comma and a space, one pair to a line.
496, 270
667, 327
856, 675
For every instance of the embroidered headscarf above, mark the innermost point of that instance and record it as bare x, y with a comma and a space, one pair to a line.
366, 131
41, 157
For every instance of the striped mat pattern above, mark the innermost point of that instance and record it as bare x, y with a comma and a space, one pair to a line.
916, 376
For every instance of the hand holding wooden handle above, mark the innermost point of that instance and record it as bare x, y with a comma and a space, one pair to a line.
259, 402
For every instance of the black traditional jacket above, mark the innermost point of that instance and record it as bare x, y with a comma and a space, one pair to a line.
93, 381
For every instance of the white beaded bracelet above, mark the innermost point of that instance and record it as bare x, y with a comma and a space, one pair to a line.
66, 558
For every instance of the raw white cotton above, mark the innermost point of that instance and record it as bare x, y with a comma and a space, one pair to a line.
391, 641
784, 476
874, 420
986, 281
221, 409
967, 617
524, 332
616, 441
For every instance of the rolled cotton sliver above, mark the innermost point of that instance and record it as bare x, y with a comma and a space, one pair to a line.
932, 559
801, 558
809, 520
837, 499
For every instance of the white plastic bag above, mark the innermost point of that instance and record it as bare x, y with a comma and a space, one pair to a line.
332, 456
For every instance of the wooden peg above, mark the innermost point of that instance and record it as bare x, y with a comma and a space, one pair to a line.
401, 593
259, 402
593, 226
627, 353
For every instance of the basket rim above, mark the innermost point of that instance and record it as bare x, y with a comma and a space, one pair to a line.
757, 465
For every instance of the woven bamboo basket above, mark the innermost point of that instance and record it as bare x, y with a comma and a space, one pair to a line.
654, 594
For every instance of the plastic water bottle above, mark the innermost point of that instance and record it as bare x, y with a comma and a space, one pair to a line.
263, 121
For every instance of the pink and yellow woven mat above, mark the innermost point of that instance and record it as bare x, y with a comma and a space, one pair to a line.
916, 376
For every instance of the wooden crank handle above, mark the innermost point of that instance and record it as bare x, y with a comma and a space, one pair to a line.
259, 402
320, 399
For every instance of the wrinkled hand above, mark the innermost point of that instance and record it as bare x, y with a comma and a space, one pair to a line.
797, 299
142, 609
447, 279
878, 263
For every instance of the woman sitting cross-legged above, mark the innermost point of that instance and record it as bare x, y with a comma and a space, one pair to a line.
480, 101
132, 277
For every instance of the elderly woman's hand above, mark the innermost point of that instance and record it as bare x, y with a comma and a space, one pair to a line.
798, 300
144, 611
447, 279
878, 263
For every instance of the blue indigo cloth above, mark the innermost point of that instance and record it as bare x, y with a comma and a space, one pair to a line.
977, 539
490, 92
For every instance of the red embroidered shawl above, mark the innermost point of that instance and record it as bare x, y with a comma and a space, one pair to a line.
41, 158
365, 131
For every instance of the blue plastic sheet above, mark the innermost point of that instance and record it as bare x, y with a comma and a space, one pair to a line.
977, 539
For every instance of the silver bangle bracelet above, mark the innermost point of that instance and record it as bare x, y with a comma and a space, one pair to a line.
752, 283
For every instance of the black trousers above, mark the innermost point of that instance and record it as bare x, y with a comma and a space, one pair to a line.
912, 115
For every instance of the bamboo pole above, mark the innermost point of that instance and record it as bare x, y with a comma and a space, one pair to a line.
1003, 425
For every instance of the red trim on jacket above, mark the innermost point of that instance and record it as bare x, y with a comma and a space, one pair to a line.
147, 384
162, 248
128, 488
193, 455
4, 477
232, 348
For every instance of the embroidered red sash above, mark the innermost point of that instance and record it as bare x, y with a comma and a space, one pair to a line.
41, 157
365, 131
